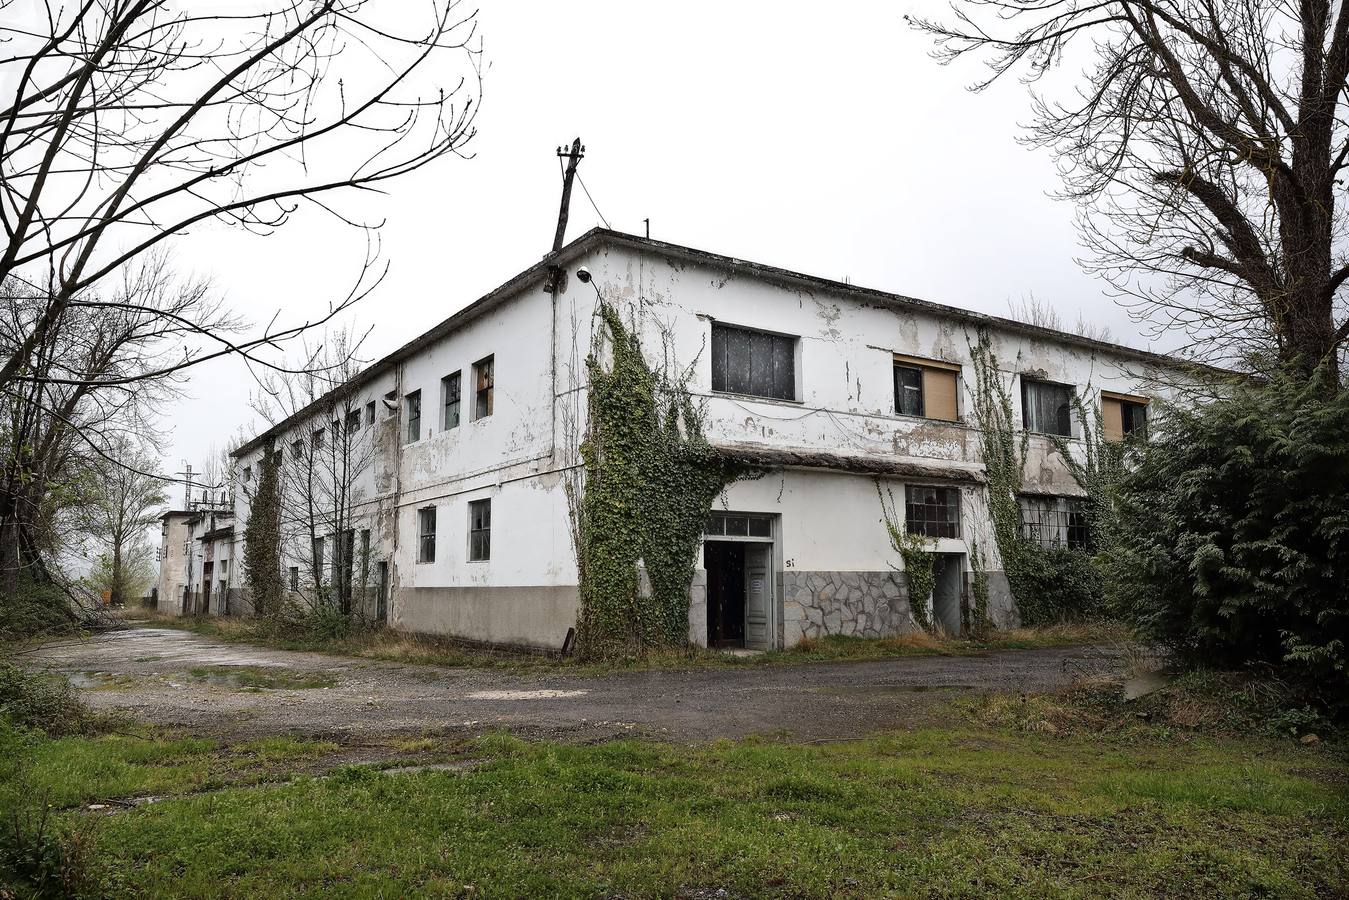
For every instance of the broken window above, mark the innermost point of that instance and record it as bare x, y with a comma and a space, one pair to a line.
1055, 521
413, 404
297, 449
738, 525
317, 438
932, 511
925, 388
248, 473
370, 413
484, 382
449, 400
753, 362
294, 578
1047, 407
1123, 416
908, 390
479, 530
353, 421
426, 534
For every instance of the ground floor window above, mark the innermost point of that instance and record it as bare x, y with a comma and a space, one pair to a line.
480, 530
738, 525
1055, 521
426, 535
932, 511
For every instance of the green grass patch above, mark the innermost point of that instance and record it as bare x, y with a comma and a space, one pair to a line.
968, 811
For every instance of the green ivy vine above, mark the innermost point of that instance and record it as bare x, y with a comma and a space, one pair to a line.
650, 479
918, 556
262, 537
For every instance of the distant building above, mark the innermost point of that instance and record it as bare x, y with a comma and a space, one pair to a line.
460, 523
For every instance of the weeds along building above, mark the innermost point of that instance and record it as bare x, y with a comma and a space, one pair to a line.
448, 462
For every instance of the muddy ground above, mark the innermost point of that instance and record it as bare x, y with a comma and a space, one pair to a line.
177, 678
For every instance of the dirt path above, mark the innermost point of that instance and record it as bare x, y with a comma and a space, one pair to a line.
247, 690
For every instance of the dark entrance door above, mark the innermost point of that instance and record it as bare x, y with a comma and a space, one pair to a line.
206, 573
949, 574
725, 564
382, 600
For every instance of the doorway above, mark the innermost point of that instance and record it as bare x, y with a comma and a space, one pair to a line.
948, 570
739, 594
206, 573
382, 598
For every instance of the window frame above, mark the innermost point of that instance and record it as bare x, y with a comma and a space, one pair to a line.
369, 413
1059, 521
720, 358
485, 392
452, 383
477, 529
899, 388
929, 526
412, 415
426, 549
1029, 382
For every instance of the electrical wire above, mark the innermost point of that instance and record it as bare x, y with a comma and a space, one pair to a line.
592, 200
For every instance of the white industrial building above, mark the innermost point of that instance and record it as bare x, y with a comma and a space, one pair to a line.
460, 517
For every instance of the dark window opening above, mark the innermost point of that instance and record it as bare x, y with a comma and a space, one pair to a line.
370, 413
1133, 418
449, 390
317, 439
426, 535
909, 390
736, 525
932, 511
753, 362
297, 449
1055, 522
479, 530
294, 578
413, 402
1047, 407
484, 387
353, 421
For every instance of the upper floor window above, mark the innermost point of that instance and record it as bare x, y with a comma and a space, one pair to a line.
925, 388
449, 399
1123, 416
932, 511
317, 439
484, 386
1054, 521
426, 535
1047, 407
479, 530
297, 449
370, 413
753, 362
413, 404
248, 473
353, 421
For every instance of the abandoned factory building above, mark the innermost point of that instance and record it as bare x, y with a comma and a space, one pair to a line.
457, 518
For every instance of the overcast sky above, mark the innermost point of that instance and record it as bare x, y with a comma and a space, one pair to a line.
818, 137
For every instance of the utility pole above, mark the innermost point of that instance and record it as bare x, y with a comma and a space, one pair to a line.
187, 490
573, 158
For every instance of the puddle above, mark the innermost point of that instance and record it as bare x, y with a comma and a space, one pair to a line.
261, 678
541, 694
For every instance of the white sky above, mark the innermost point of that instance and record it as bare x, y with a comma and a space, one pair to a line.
818, 137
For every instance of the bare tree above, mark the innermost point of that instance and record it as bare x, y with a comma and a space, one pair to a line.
1205, 151
128, 493
330, 451
131, 121
1034, 311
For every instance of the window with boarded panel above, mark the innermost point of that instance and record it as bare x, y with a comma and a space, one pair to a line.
753, 362
925, 387
484, 387
1123, 416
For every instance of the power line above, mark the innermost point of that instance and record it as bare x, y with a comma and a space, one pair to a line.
592, 200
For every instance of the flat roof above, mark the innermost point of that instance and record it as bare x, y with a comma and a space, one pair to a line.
600, 236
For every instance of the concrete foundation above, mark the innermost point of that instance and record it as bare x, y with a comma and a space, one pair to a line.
528, 616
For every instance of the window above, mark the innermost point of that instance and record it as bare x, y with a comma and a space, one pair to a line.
248, 473
317, 438
294, 578
484, 384
753, 362
449, 401
908, 390
479, 530
925, 388
1123, 416
426, 535
1047, 407
413, 404
932, 511
297, 449
391, 402
1055, 521
353, 421
370, 413
736, 525
365, 557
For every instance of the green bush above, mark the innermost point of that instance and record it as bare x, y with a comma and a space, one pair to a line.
34, 609
1232, 538
32, 701
41, 856
1056, 585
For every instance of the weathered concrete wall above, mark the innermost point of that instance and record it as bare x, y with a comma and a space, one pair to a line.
858, 604
525, 615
